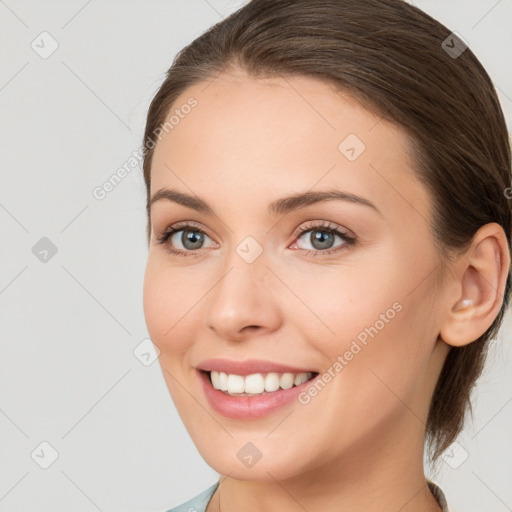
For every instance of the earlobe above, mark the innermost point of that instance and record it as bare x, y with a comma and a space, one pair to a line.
482, 274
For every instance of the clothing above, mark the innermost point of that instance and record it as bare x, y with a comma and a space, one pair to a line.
200, 502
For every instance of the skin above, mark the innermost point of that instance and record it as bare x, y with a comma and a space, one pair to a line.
358, 444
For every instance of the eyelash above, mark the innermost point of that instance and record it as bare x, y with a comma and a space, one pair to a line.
326, 227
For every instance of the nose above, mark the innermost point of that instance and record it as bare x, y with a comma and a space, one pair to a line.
243, 301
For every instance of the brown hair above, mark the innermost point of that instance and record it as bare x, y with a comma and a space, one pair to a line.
392, 57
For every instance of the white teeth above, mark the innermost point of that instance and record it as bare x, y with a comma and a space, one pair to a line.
235, 383
223, 381
286, 380
300, 378
215, 379
271, 382
256, 383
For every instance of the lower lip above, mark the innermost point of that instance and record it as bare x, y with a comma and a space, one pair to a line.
247, 407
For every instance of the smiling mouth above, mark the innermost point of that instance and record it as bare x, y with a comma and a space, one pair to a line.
256, 384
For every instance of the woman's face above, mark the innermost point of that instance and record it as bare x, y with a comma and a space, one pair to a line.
360, 307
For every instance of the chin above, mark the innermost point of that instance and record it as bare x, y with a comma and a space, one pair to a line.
259, 461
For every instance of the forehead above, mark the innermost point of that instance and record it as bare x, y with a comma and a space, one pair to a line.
247, 137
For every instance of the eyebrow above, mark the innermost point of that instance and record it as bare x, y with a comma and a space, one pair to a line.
278, 207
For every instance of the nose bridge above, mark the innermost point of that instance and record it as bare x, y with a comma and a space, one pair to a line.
244, 272
241, 296
250, 251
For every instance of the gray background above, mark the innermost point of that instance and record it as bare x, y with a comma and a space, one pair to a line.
69, 326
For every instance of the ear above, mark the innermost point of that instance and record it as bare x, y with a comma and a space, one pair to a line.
481, 276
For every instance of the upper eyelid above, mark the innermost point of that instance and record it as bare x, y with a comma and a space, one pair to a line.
304, 226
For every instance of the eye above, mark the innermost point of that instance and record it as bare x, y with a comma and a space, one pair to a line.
322, 237
192, 238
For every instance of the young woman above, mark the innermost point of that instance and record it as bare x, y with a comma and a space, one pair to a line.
329, 250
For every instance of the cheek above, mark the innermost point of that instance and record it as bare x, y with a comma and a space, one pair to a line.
345, 301
166, 308
169, 316
373, 326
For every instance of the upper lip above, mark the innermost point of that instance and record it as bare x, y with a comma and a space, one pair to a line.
248, 366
